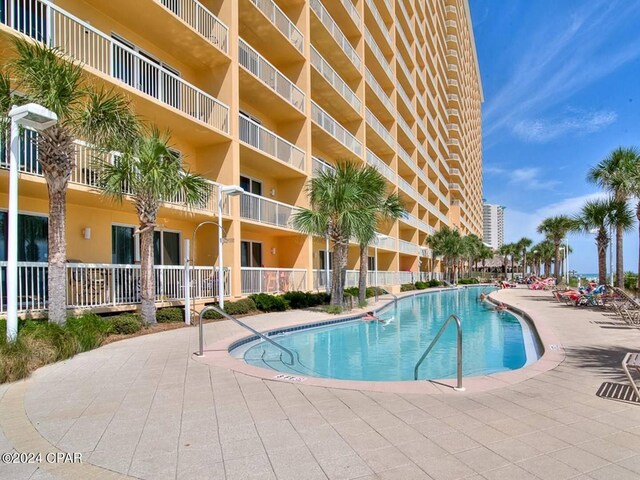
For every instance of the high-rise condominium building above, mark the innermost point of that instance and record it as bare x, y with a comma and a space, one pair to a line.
262, 94
493, 225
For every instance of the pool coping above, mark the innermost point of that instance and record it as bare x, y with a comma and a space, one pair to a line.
218, 354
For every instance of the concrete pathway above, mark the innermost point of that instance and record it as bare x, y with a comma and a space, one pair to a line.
144, 408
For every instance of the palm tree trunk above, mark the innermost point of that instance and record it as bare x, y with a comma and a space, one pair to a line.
147, 277
556, 265
619, 257
362, 279
57, 274
638, 216
337, 288
433, 257
602, 263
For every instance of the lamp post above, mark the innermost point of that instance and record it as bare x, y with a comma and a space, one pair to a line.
231, 190
566, 262
38, 118
378, 237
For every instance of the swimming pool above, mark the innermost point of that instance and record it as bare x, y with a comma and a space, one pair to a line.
388, 350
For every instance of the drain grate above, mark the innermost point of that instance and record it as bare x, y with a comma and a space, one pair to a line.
289, 378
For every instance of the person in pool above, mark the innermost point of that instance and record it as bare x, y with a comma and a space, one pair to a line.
501, 306
370, 317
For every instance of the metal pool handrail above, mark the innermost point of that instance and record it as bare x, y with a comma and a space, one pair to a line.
455, 318
395, 297
242, 324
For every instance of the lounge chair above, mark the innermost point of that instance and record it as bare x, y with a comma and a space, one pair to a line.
632, 360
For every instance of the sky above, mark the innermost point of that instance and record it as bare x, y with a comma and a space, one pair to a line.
561, 84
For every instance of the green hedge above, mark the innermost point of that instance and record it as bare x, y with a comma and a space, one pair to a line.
299, 299
370, 292
407, 287
126, 323
269, 303
170, 315
468, 281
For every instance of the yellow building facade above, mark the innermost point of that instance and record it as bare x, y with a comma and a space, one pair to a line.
261, 94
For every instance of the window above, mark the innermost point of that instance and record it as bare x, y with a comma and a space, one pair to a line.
251, 254
33, 231
251, 185
122, 245
371, 263
166, 248
30, 18
323, 264
250, 130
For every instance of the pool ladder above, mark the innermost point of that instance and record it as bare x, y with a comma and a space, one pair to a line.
455, 319
200, 352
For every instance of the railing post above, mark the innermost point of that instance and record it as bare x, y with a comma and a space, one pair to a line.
113, 285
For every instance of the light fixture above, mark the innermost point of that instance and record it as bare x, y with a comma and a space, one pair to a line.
33, 116
273, 192
232, 190
273, 250
86, 233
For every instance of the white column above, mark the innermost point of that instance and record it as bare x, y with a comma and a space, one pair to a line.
220, 249
187, 284
12, 241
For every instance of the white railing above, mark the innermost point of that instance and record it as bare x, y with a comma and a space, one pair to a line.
405, 98
406, 17
333, 128
263, 210
198, 17
379, 91
85, 171
403, 67
100, 285
353, 12
451, 24
50, 24
336, 33
405, 42
453, 111
378, 18
378, 164
318, 165
278, 18
454, 171
409, 219
453, 141
374, 278
379, 128
453, 126
424, 226
432, 186
259, 66
452, 38
425, 252
386, 242
451, 9
455, 186
455, 157
272, 280
254, 134
452, 82
386, 66
452, 53
407, 130
452, 97
407, 277
325, 69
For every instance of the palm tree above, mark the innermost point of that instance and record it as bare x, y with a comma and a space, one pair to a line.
616, 174
505, 252
151, 173
43, 75
337, 212
547, 251
385, 207
484, 254
555, 229
471, 249
599, 215
523, 244
452, 250
436, 243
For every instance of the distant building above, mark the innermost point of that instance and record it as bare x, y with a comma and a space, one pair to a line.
493, 225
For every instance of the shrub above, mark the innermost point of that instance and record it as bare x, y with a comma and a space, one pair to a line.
27, 353
298, 299
59, 338
407, 287
351, 292
269, 303
319, 298
125, 324
170, 315
434, 283
630, 280
90, 330
213, 315
421, 285
468, 281
239, 307
334, 309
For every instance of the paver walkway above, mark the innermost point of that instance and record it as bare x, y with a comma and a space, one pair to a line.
144, 408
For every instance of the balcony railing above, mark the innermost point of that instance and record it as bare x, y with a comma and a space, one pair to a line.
198, 17
255, 63
254, 134
278, 18
388, 243
386, 66
379, 128
322, 278
333, 128
409, 219
100, 285
318, 165
264, 210
48, 23
272, 280
353, 12
336, 33
379, 91
455, 186
378, 164
378, 18
85, 171
408, 247
325, 69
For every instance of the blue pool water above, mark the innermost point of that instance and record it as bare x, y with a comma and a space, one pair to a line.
375, 351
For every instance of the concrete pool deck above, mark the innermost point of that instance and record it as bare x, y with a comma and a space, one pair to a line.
144, 408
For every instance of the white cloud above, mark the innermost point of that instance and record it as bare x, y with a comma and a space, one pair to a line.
540, 131
528, 178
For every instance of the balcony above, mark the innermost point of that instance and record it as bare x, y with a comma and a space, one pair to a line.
380, 129
451, 24
266, 211
102, 54
85, 174
383, 168
335, 33
322, 278
272, 280
337, 132
380, 22
380, 93
331, 76
270, 76
318, 165
98, 286
455, 158
386, 242
409, 219
408, 247
264, 140
377, 53
279, 21
453, 40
